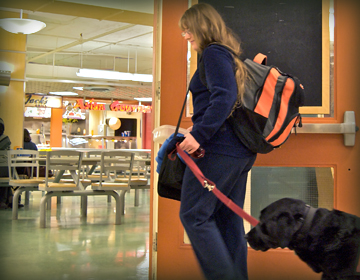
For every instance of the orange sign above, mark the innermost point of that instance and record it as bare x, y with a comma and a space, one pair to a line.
117, 106
91, 105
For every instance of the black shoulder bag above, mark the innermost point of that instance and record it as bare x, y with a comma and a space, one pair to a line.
172, 168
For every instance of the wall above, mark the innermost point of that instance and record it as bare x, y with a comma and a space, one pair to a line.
12, 98
98, 117
147, 129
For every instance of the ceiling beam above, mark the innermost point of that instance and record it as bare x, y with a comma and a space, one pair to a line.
80, 41
80, 10
109, 44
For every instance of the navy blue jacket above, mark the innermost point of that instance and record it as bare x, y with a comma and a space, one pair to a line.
30, 146
213, 104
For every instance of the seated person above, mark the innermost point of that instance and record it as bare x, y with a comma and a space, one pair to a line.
5, 192
28, 144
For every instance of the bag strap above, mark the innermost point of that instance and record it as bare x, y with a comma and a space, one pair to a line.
261, 59
206, 183
181, 113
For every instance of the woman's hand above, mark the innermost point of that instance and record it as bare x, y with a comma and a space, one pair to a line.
189, 144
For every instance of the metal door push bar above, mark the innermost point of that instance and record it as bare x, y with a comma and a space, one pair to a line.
348, 128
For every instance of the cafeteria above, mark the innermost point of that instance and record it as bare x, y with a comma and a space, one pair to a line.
99, 85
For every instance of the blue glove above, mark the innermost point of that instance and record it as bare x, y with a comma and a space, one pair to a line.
164, 150
172, 144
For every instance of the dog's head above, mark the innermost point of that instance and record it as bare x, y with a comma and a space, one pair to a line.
278, 223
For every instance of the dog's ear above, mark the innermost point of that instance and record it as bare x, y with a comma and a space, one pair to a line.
285, 229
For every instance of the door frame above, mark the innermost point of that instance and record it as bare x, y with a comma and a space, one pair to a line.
176, 260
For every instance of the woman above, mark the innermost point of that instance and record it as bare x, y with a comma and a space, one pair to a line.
28, 144
215, 232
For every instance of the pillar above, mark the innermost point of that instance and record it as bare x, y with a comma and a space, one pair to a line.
56, 127
12, 97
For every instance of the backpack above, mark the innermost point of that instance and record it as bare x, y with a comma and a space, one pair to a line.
270, 108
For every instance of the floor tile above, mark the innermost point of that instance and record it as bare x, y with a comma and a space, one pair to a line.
74, 248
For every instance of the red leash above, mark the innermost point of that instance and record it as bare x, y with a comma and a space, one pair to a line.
206, 183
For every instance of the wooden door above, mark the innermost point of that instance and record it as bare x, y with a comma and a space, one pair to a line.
175, 258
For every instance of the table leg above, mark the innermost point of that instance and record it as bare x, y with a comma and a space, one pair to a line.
84, 206
122, 201
136, 202
15, 203
119, 206
58, 176
27, 197
92, 169
44, 201
75, 178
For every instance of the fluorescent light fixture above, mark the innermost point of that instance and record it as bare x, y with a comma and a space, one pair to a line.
64, 93
21, 25
144, 99
5, 66
114, 75
3, 89
143, 78
54, 103
78, 88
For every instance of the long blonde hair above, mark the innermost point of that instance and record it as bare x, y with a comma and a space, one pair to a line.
207, 26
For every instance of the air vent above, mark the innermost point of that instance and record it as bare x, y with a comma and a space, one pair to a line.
99, 88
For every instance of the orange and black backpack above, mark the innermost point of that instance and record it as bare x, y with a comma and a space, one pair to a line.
270, 108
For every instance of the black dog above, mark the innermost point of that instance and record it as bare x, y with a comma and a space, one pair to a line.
328, 241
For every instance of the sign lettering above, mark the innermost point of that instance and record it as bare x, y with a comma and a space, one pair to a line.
45, 101
119, 107
91, 105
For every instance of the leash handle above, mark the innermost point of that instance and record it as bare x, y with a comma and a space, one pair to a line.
211, 186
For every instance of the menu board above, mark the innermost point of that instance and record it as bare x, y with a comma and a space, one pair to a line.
71, 111
37, 112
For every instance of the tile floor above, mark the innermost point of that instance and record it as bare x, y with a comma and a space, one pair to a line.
74, 249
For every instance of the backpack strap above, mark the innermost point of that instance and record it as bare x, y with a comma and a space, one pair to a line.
261, 59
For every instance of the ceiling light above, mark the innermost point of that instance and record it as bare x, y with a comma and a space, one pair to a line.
78, 88
21, 25
144, 99
143, 78
64, 93
5, 66
114, 75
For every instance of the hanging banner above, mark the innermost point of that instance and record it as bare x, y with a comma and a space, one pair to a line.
45, 101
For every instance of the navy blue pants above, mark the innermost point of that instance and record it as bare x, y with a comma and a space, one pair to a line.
216, 232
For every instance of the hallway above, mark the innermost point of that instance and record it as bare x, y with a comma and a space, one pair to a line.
75, 249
